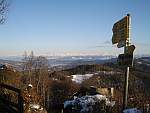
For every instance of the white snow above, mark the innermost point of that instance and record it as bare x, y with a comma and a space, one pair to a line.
110, 103
86, 102
35, 106
132, 110
80, 78
139, 62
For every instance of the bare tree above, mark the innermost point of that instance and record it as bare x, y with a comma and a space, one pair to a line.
41, 75
24, 61
35, 71
3, 10
27, 66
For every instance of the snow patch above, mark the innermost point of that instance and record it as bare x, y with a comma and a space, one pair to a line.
86, 102
79, 78
132, 110
34, 106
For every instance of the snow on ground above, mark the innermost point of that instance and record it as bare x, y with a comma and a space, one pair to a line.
36, 108
80, 78
86, 102
132, 110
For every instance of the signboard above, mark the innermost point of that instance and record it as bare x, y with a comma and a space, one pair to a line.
125, 60
121, 31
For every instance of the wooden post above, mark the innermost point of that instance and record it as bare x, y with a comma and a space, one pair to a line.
125, 97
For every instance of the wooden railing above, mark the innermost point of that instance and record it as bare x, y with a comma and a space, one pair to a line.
12, 106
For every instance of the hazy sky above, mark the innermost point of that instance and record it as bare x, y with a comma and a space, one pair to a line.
56, 27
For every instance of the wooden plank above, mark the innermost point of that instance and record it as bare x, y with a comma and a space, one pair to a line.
11, 106
10, 88
7, 102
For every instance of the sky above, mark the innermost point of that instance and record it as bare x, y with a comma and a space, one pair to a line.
72, 27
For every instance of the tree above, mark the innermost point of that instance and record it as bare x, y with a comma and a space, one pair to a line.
24, 62
27, 67
35, 72
41, 76
3, 10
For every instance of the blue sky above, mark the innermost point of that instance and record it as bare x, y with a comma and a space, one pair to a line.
72, 27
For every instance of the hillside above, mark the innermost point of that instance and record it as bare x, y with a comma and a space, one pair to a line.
60, 85
111, 75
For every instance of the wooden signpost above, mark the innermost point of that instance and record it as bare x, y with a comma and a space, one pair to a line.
121, 37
